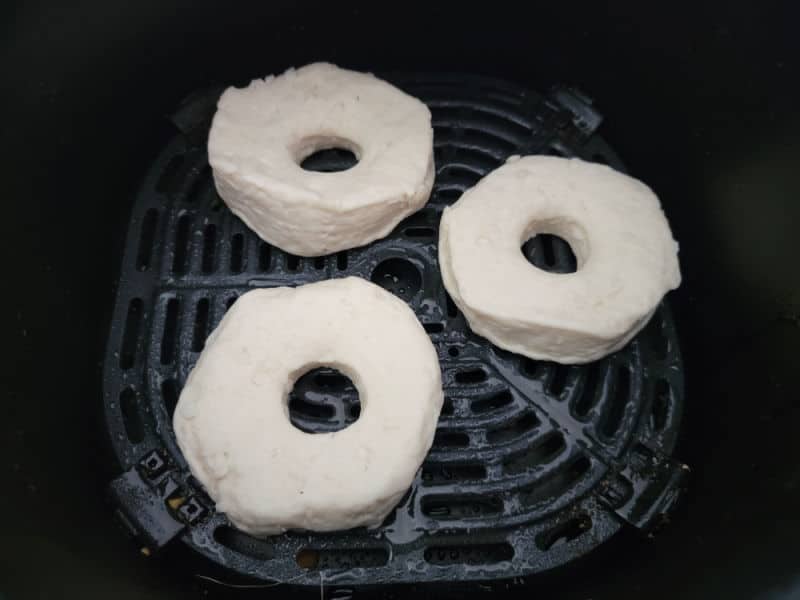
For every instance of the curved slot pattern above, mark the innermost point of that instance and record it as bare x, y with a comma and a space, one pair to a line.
469, 554
240, 542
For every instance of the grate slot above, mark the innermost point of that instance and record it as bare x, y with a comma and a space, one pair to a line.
542, 453
128, 403
180, 257
461, 507
661, 401
169, 395
130, 334
342, 558
146, 239
494, 402
168, 338
618, 402
469, 554
237, 259
517, 428
209, 249
439, 473
200, 331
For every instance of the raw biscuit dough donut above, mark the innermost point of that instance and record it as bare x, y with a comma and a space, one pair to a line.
261, 134
627, 259
232, 418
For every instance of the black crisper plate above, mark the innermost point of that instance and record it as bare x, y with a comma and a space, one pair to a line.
534, 464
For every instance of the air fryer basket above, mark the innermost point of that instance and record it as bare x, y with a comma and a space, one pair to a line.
701, 104
533, 464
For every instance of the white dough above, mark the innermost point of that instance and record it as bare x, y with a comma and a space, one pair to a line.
627, 259
261, 134
232, 419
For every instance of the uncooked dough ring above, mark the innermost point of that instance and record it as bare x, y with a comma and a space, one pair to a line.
261, 134
627, 259
232, 419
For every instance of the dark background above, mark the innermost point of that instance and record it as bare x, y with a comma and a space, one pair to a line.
700, 101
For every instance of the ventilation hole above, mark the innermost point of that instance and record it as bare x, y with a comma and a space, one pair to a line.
330, 160
209, 248
544, 452
130, 335
469, 554
230, 302
531, 367
453, 351
447, 407
433, 327
656, 339
520, 426
493, 402
588, 396
305, 409
341, 260
564, 533
146, 239
264, 256
420, 232
438, 473
323, 400
398, 276
168, 337
450, 439
181, 253
471, 376
617, 402
169, 395
200, 325
292, 262
342, 558
319, 262
134, 428
449, 195
240, 542
661, 402
330, 379
461, 507
237, 253
169, 182
550, 253
452, 309
557, 484
558, 380
461, 174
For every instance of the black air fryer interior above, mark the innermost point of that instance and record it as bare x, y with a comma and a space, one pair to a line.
700, 104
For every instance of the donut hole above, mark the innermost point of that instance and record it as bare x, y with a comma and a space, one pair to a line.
323, 400
327, 154
398, 276
550, 253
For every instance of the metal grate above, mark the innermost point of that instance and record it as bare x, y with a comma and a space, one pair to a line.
533, 464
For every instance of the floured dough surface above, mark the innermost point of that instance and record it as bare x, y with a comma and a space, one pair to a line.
261, 134
232, 419
627, 258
